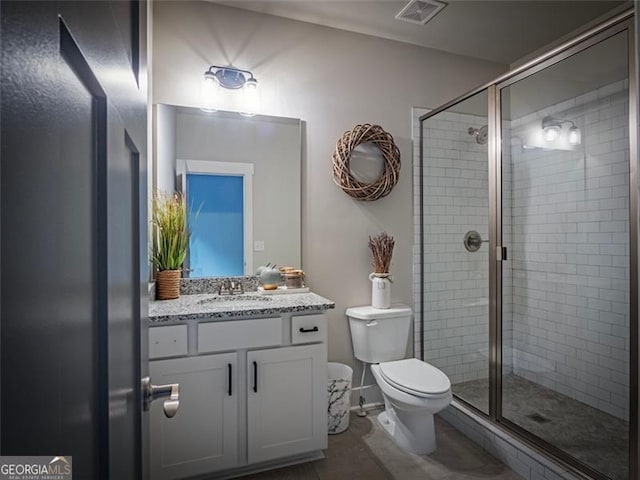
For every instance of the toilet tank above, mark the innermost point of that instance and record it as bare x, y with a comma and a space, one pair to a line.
379, 335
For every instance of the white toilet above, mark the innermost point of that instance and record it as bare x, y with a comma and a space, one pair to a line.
413, 390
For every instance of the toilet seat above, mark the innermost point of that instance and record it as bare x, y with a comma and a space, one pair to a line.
415, 377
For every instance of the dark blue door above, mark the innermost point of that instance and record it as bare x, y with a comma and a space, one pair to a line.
73, 182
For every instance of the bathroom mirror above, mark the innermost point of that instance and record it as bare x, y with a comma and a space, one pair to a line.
242, 179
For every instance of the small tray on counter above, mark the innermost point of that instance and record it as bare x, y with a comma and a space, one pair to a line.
283, 290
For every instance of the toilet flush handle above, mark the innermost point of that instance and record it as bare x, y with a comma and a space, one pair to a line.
371, 323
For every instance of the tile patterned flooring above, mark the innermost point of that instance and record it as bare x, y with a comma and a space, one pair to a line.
592, 436
365, 452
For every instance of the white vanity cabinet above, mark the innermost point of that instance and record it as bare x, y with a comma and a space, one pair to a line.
203, 436
287, 401
252, 391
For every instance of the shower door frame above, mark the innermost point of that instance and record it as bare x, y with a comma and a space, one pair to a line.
615, 25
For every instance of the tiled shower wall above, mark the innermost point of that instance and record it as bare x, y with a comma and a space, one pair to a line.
570, 253
455, 286
565, 221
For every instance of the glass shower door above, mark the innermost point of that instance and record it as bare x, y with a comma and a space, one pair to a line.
454, 225
566, 283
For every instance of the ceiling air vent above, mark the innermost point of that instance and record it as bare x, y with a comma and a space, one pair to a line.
420, 11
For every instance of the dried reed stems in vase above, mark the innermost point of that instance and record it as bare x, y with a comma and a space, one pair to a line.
382, 250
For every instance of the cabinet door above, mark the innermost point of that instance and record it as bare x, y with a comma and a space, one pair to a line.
287, 401
203, 436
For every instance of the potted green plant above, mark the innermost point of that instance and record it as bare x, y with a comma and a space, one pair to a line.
170, 242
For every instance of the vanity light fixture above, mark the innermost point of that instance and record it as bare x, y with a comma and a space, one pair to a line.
552, 128
216, 78
574, 135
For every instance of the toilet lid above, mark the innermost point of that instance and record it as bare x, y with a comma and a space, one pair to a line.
415, 376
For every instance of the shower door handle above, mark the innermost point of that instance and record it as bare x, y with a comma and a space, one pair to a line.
501, 254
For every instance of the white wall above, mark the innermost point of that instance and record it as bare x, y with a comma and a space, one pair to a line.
332, 80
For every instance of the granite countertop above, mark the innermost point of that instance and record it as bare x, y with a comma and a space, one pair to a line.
211, 306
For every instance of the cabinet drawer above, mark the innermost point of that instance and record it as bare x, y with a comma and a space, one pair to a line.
234, 335
308, 329
167, 341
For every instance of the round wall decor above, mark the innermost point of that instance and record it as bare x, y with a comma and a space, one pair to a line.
345, 146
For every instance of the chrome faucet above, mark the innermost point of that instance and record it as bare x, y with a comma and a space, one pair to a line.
230, 287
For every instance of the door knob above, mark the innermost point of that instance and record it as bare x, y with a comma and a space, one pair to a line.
170, 392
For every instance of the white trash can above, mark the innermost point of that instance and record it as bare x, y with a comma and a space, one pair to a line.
339, 392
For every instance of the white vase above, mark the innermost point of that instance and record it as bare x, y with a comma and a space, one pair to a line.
380, 290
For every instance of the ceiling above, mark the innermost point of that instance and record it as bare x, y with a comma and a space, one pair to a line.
502, 31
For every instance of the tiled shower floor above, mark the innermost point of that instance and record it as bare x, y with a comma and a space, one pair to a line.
594, 437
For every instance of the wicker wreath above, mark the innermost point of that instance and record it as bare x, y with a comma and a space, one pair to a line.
342, 175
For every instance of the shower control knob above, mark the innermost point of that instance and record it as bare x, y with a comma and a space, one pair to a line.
473, 241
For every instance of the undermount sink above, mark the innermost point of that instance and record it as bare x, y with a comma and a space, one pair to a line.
236, 300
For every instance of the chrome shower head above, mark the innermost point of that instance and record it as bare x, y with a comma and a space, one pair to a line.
481, 134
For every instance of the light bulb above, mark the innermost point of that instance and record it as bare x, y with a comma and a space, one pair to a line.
250, 98
209, 87
574, 136
551, 133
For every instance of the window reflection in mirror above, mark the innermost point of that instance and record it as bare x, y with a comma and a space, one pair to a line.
216, 221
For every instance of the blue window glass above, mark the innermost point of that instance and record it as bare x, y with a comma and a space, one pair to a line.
217, 225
